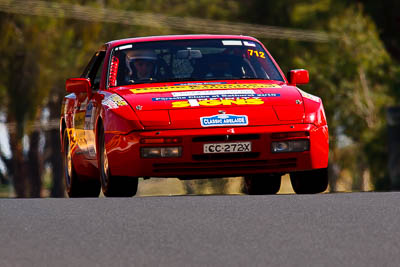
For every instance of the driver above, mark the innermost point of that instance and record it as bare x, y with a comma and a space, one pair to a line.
219, 69
141, 64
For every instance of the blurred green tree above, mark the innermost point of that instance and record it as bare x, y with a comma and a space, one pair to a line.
354, 75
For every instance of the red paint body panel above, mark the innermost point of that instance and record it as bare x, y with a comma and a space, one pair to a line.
132, 112
192, 163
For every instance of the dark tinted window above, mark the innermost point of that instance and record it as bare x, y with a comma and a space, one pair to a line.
94, 69
194, 60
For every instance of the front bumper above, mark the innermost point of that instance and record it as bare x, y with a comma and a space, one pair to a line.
125, 159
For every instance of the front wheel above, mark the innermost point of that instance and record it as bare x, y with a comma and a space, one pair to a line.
310, 182
77, 185
113, 186
266, 184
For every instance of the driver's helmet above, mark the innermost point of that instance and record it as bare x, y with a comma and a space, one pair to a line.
141, 63
141, 54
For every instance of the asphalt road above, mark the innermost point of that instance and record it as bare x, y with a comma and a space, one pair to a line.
352, 229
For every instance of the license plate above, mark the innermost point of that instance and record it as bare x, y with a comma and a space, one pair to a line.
227, 147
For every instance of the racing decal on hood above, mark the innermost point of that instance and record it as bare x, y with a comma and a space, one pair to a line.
114, 101
309, 96
218, 96
224, 120
200, 83
207, 93
202, 87
217, 102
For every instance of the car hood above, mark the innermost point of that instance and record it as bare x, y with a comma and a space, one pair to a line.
214, 104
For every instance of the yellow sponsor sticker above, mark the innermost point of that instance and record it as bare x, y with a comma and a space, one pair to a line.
217, 102
118, 100
114, 101
79, 120
202, 87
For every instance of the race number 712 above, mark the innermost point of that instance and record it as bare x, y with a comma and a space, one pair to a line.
256, 53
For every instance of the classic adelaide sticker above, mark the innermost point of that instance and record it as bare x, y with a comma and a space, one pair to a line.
224, 120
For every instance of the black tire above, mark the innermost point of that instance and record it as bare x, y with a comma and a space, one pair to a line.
266, 184
113, 186
310, 182
77, 185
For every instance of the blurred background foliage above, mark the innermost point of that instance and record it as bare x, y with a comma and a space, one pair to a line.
357, 74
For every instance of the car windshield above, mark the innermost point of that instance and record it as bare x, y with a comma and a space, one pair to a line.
190, 60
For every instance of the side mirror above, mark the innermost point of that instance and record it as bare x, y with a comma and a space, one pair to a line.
79, 85
299, 76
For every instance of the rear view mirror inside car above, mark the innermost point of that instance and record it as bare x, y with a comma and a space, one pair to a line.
188, 54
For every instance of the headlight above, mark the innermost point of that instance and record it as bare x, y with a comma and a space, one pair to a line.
290, 146
161, 152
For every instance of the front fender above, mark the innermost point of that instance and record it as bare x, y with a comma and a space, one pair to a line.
118, 116
313, 109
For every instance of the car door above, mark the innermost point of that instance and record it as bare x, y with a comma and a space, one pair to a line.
88, 106
81, 100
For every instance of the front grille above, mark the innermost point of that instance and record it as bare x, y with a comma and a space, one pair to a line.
228, 167
238, 137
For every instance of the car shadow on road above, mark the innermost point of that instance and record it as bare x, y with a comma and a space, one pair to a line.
224, 186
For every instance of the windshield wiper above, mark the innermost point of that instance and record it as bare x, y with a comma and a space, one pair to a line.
251, 78
196, 79
233, 78
146, 80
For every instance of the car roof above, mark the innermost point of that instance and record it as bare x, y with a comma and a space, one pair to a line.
115, 43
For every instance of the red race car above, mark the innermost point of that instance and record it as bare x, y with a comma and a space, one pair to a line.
190, 106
